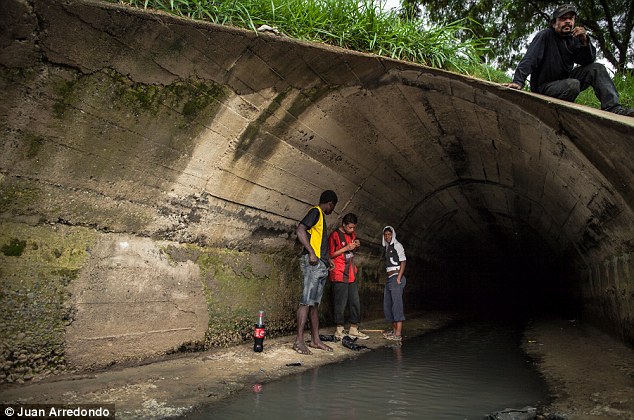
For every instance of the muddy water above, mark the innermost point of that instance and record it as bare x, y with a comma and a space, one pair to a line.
464, 371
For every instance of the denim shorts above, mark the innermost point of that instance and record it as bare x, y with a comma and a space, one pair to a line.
315, 278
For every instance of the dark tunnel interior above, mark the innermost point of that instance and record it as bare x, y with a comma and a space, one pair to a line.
516, 277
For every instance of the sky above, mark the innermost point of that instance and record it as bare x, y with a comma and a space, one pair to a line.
389, 4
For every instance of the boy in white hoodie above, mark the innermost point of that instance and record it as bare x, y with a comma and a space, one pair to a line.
393, 293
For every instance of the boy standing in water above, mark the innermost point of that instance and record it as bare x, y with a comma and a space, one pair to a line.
393, 293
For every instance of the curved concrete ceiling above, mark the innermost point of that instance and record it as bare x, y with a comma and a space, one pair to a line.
454, 163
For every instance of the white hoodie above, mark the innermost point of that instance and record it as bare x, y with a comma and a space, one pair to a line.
397, 247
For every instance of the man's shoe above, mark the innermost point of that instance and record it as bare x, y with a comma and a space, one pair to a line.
355, 333
628, 112
339, 333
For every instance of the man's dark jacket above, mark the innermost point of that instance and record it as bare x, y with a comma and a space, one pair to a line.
551, 57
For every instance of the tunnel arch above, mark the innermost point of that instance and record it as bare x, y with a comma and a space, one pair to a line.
156, 128
540, 176
496, 167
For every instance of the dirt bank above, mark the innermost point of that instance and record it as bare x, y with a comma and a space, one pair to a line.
590, 374
565, 352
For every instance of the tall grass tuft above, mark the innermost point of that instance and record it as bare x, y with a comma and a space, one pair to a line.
360, 25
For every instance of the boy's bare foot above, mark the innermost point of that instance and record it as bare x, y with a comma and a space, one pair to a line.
301, 348
320, 345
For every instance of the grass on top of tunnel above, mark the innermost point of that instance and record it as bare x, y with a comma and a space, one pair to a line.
357, 25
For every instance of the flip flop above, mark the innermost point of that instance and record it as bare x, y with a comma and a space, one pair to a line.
301, 349
350, 343
328, 338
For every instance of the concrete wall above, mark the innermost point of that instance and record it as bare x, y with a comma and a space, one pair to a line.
608, 290
200, 147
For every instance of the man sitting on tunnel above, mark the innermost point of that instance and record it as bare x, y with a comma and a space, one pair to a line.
550, 59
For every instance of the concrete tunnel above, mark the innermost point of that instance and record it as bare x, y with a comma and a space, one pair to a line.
157, 132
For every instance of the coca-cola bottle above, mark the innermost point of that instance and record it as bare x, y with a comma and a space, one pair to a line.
259, 333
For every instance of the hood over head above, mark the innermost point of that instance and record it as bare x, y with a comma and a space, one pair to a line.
393, 235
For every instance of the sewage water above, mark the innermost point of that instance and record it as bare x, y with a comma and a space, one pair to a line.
464, 371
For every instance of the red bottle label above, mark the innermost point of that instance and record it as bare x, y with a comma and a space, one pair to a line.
259, 333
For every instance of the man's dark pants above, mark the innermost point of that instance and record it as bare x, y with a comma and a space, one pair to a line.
581, 78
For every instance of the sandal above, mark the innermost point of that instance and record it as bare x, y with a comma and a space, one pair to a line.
387, 333
301, 349
394, 337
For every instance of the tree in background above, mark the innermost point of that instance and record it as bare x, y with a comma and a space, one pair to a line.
410, 10
509, 24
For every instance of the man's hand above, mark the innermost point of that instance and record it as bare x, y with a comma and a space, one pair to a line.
312, 258
303, 239
512, 85
580, 33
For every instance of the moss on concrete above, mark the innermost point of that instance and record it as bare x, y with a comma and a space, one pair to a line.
110, 120
41, 203
18, 195
238, 284
102, 148
190, 97
65, 91
34, 293
14, 248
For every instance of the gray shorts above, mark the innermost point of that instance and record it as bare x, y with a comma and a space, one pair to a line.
393, 299
315, 278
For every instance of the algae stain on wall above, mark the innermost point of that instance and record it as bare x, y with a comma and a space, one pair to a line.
104, 128
99, 149
34, 296
120, 121
238, 284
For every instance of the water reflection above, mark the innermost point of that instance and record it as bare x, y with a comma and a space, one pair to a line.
463, 372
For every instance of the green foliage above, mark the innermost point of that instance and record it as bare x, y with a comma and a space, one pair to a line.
509, 25
486, 72
357, 25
